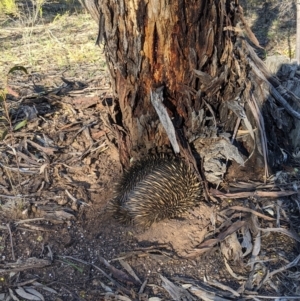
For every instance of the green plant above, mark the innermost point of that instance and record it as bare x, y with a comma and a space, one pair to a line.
9, 7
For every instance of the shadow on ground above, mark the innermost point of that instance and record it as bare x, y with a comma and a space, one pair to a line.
28, 12
274, 24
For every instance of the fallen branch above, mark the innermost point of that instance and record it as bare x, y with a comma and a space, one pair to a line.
23, 265
11, 242
251, 194
245, 209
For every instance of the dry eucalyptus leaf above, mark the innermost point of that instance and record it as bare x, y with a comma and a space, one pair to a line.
22, 293
34, 292
12, 295
44, 287
3, 297
206, 296
118, 274
112, 296
177, 293
106, 287
129, 270
223, 287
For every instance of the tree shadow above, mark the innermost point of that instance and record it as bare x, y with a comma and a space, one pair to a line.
53, 8
283, 133
275, 23
288, 74
31, 13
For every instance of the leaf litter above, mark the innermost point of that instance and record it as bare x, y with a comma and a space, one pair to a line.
45, 188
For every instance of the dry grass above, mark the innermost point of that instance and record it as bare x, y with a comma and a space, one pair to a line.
60, 44
65, 42
274, 24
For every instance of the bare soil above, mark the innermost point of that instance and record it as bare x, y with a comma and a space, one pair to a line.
58, 171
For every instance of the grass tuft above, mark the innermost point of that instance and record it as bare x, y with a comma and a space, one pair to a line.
67, 41
9, 7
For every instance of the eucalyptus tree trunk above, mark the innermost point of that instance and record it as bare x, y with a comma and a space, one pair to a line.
212, 83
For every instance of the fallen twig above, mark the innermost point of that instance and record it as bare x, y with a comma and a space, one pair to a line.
273, 297
288, 266
22, 265
223, 287
245, 209
251, 194
11, 242
286, 232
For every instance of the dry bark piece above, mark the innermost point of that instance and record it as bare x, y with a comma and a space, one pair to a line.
231, 248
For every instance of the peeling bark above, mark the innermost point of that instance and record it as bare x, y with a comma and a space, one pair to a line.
212, 79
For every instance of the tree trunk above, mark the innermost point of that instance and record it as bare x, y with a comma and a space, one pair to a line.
213, 84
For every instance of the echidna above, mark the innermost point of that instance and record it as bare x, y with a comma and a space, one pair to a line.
153, 189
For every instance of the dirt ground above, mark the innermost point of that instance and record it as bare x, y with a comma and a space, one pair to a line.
58, 169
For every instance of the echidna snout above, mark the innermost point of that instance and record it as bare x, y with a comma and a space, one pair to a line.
154, 189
